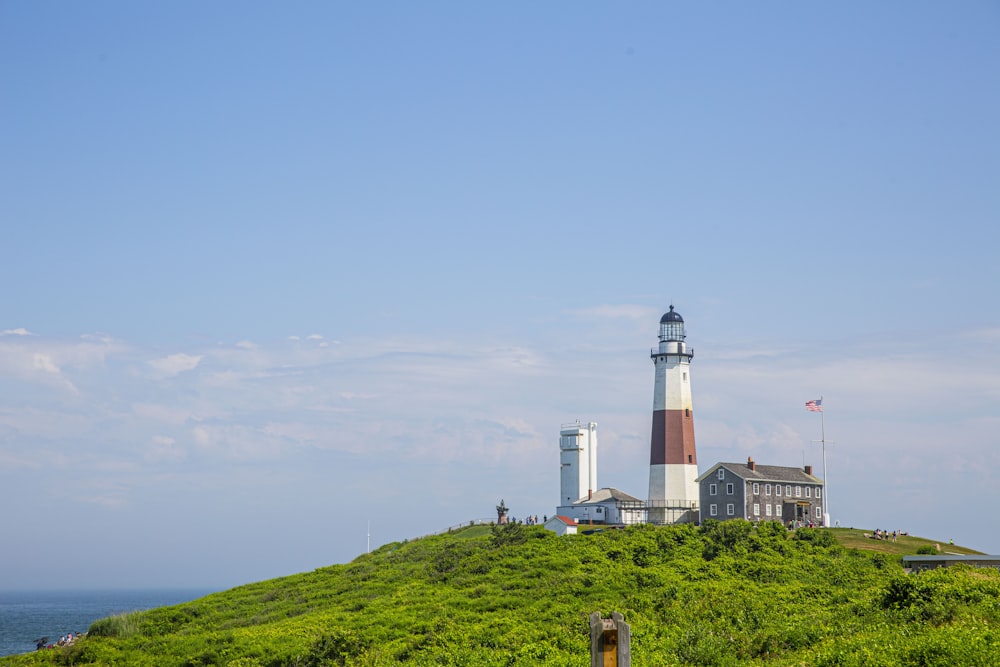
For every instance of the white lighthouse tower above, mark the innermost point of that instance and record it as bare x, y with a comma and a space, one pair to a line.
673, 463
577, 462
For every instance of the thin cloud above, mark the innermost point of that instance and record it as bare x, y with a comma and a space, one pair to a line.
43, 362
175, 364
164, 449
21, 331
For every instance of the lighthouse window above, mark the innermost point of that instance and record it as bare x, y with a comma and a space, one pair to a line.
687, 412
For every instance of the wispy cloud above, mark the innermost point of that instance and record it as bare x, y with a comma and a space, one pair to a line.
163, 448
16, 332
175, 364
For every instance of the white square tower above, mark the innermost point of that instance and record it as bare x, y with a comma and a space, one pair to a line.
577, 462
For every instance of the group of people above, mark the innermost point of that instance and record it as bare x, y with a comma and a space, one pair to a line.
880, 534
65, 640
527, 521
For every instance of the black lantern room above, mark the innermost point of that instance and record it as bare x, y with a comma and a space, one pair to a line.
671, 326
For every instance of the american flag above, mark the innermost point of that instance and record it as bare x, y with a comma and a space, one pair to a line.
815, 406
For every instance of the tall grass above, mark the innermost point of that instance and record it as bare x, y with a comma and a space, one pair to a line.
124, 625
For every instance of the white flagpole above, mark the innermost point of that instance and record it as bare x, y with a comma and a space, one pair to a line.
826, 483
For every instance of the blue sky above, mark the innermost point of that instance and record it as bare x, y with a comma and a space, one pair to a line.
273, 273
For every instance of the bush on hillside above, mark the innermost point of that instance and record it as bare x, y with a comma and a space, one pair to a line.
508, 533
817, 536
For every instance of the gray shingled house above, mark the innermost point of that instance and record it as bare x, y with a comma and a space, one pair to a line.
761, 493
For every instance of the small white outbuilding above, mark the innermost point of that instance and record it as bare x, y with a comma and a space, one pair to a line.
561, 525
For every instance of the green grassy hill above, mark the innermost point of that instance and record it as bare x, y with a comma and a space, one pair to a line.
724, 594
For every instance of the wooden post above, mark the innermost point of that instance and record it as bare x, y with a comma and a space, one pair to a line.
610, 640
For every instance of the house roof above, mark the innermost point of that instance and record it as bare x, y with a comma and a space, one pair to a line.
953, 558
565, 519
762, 473
606, 494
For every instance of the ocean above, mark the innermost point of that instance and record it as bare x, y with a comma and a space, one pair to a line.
26, 616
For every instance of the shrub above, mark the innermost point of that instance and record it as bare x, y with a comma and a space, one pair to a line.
335, 648
508, 533
817, 536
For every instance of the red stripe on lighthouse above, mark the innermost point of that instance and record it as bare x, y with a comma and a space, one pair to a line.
672, 438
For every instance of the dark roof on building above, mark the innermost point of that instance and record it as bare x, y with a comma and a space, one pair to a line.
671, 316
953, 558
762, 473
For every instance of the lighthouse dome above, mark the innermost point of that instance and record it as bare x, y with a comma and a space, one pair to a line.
671, 316
671, 326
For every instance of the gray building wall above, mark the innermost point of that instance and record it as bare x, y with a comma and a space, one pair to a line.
744, 488
729, 490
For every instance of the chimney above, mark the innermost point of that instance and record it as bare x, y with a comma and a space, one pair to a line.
751, 464
809, 470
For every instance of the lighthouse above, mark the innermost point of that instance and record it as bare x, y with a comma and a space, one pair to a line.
673, 464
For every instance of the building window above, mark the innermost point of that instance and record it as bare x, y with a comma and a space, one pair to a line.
730, 509
713, 489
819, 512
767, 489
756, 509
713, 509
809, 492
798, 491
788, 490
777, 509
819, 492
777, 489
722, 473
756, 488
767, 509
729, 488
